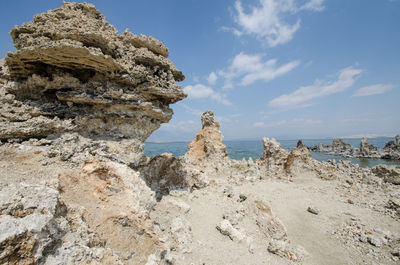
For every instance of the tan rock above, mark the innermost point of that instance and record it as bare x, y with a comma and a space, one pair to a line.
71, 64
208, 141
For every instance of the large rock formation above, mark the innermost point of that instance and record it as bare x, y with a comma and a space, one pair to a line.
79, 93
282, 163
72, 71
208, 141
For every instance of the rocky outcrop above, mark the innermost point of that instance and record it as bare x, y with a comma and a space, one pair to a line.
388, 173
207, 154
366, 150
72, 71
282, 163
208, 141
29, 223
392, 149
337, 147
165, 172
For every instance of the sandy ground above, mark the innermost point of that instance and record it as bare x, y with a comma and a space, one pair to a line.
330, 237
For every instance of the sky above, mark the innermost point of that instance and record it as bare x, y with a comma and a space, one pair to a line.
287, 69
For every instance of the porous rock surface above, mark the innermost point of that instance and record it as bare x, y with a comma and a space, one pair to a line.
72, 71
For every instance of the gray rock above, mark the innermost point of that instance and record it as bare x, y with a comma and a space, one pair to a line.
373, 240
313, 210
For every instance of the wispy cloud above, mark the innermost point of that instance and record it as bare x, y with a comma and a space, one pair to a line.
373, 90
267, 21
316, 5
212, 78
251, 68
287, 123
303, 95
195, 112
235, 31
201, 91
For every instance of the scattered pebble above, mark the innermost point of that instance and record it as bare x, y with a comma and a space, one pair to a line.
242, 198
313, 210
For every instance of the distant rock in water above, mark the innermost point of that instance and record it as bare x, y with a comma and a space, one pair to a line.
366, 150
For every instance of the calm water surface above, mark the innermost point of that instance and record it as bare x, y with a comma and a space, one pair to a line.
254, 149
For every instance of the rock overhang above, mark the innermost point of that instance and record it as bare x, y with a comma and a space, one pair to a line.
72, 64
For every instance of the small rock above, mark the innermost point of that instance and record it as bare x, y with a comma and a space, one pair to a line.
374, 241
349, 181
227, 229
313, 210
250, 245
242, 198
350, 201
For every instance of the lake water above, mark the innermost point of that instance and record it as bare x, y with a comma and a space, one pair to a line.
254, 149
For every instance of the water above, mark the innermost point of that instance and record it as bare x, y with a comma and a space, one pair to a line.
254, 149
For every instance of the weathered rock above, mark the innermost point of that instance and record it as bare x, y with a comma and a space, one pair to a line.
282, 163
72, 71
366, 150
389, 173
114, 203
207, 154
208, 141
313, 210
226, 228
275, 232
373, 240
299, 144
181, 234
270, 225
165, 172
274, 155
29, 223
337, 147
299, 159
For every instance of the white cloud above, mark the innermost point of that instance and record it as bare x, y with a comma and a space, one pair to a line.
298, 122
212, 78
201, 91
373, 90
235, 32
316, 5
301, 96
251, 68
267, 21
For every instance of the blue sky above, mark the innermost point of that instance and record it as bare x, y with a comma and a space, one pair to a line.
287, 69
